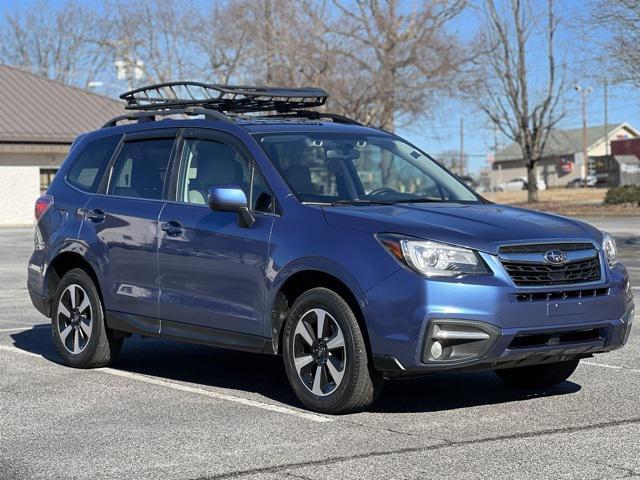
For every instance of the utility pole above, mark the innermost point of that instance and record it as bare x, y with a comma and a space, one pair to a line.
461, 146
585, 145
606, 119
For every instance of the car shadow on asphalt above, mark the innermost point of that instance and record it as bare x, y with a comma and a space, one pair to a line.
264, 375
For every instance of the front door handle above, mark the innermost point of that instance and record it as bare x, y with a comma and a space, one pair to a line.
96, 215
171, 228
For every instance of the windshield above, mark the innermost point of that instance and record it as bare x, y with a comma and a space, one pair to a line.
359, 169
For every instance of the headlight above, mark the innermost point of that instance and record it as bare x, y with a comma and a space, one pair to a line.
433, 259
609, 248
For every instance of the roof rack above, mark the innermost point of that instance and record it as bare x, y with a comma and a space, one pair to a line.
215, 101
150, 116
223, 98
313, 115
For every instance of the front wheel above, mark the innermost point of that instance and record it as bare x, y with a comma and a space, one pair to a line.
538, 376
77, 318
325, 355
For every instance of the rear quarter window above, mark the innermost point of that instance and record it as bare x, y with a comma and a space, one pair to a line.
91, 163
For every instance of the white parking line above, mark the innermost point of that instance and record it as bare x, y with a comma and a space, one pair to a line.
612, 367
23, 329
198, 391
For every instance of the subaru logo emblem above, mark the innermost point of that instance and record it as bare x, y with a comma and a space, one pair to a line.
555, 257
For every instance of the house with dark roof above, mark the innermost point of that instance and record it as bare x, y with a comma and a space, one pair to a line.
39, 118
562, 159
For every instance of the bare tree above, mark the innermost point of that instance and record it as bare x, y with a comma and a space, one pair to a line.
452, 160
154, 33
520, 113
396, 59
274, 42
622, 19
385, 62
51, 41
223, 37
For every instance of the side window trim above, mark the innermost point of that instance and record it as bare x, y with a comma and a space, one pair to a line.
168, 133
177, 177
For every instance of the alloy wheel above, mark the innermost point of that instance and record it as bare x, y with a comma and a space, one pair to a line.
74, 319
319, 352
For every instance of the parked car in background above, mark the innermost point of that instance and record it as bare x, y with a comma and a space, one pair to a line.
591, 181
267, 227
519, 183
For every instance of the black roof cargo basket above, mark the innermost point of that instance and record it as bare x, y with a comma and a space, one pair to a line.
223, 98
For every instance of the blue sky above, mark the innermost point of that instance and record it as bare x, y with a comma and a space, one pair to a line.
577, 46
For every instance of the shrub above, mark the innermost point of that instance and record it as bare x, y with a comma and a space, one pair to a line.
620, 195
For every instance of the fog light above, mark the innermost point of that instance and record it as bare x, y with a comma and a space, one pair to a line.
436, 350
455, 341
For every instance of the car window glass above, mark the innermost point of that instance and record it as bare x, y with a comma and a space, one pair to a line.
90, 164
141, 168
261, 197
328, 167
378, 168
208, 163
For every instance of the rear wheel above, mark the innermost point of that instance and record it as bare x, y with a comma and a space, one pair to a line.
538, 376
325, 355
78, 326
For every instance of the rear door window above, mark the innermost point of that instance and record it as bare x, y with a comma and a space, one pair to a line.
141, 169
91, 163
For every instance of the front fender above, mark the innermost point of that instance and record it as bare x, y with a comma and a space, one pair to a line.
273, 323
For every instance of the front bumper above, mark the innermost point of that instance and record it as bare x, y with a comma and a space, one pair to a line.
404, 311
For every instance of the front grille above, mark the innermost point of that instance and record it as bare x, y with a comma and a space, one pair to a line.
527, 266
558, 338
545, 247
531, 275
561, 295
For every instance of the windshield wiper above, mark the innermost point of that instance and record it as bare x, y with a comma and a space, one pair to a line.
419, 200
361, 202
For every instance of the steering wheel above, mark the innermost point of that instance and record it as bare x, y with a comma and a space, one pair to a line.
382, 191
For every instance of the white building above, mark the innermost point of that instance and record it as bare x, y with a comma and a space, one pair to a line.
39, 118
562, 158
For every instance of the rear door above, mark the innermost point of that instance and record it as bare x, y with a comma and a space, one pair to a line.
123, 220
212, 271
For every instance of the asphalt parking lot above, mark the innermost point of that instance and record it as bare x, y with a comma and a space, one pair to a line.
169, 410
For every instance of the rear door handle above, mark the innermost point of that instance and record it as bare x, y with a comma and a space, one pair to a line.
171, 228
96, 215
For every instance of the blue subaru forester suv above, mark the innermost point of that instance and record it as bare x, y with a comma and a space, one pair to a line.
240, 217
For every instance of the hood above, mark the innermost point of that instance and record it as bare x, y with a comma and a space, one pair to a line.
481, 227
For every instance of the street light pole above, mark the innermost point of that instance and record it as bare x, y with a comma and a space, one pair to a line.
606, 119
585, 146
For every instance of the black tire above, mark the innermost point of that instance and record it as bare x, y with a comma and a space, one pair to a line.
538, 376
99, 346
359, 384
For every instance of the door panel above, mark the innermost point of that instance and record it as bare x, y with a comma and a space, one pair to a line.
124, 222
212, 271
126, 232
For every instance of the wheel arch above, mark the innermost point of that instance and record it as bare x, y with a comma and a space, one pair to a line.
302, 279
62, 263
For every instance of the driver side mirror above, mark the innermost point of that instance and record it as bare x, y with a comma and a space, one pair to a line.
231, 198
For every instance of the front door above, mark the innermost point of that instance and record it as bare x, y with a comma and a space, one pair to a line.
212, 270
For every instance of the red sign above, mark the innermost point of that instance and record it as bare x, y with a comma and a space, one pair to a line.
566, 166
